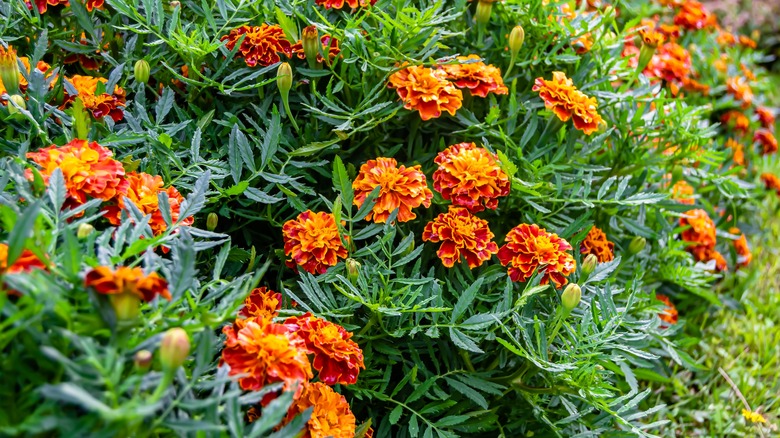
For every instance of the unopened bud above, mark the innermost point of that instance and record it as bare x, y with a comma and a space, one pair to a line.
484, 7
310, 39
126, 305
589, 264
9, 70
677, 173
84, 230
211, 221
174, 348
141, 71
19, 101
284, 78
516, 38
142, 360
571, 297
637, 244
353, 270
175, 4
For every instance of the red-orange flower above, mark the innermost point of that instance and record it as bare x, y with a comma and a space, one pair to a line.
330, 46
331, 416
529, 248
261, 45
26, 262
744, 256
682, 192
461, 235
701, 229
99, 104
262, 302
671, 62
479, 78
738, 152
336, 356
706, 254
736, 120
265, 353
426, 90
726, 38
747, 42
567, 102
771, 182
312, 241
767, 117
143, 191
470, 177
402, 188
766, 140
596, 243
693, 16
127, 280
43, 5
338, 4
88, 170
86, 61
740, 89
669, 314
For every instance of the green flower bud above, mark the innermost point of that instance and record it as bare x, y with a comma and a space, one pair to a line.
211, 221
484, 7
142, 360
589, 264
637, 244
284, 78
353, 270
84, 230
516, 38
9, 70
19, 101
677, 173
310, 39
571, 297
174, 348
141, 71
126, 306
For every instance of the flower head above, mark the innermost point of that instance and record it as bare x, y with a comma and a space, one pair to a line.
330, 46
669, 314
476, 76
753, 417
771, 182
470, 177
312, 241
43, 5
701, 229
337, 357
128, 280
426, 90
652, 37
693, 16
402, 188
338, 4
262, 302
748, 42
766, 140
529, 248
766, 116
596, 243
99, 104
261, 44
706, 254
744, 256
740, 89
26, 262
738, 152
461, 235
331, 416
682, 192
736, 120
567, 102
725, 38
671, 62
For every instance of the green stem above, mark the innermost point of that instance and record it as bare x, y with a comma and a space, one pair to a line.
466, 360
164, 384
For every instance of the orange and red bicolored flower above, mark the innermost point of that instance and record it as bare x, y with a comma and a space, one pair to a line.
26, 262
331, 416
100, 105
470, 177
766, 140
339, 4
126, 280
767, 117
693, 16
707, 254
462, 235
744, 256
745, 41
530, 249
736, 120
669, 314
567, 102
312, 241
43, 5
337, 358
596, 243
740, 89
682, 192
261, 44
701, 229
427, 91
771, 182
476, 76
403, 188
262, 302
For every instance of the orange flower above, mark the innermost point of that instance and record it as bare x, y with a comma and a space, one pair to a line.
143, 191
693, 16
338, 4
682, 192
596, 243
747, 42
337, 357
726, 38
566, 101
265, 353
650, 36
529, 248
478, 77
402, 188
261, 45
744, 256
125, 280
461, 235
740, 89
262, 302
313, 242
470, 177
88, 170
671, 62
767, 117
766, 140
738, 154
722, 64
669, 314
747, 72
695, 86
331, 416
26, 262
43, 5
330, 46
427, 91
736, 120
700, 231
771, 181
100, 105
706, 254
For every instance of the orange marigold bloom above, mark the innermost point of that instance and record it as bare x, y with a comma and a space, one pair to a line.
740, 89
479, 78
771, 181
143, 191
583, 43
596, 243
650, 36
26, 262
262, 302
261, 45
695, 86
726, 38
470, 177
707, 254
747, 42
693, 16
738, 154
331, 416
330, 46
88, 170
43, 5
767, 117
529, 248
747, 72
744, 256
701, 229
766, 140
338, 4
682, 192
566, 101
736, 120
722, 64
427, 91
127, 280
671, 62
100, 105
265, 353
313, 242
336, 356
402, 188
461, 235
669, 314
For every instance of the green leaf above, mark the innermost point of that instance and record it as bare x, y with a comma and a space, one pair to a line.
21, 231
395, 414
341, 181
465, 299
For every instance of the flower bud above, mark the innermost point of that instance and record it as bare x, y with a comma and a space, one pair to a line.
589, 264
311, 45
677, 173
9, 70
516, 38
211, 221
174, 348
484, 7
126, 305
284, 78
84, 230
19, 101
637, 244
142, 360
353, 270
571, 297
141, 71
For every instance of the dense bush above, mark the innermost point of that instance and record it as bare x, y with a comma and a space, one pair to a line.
479, 217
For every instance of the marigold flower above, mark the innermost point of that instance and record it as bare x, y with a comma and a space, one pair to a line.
744, 256
701, 229
566, 101
330, 46
747, 72
461, 235
43, 5
740, 89
331, 416
706, 254
671, 62
265, 353
479, 78
426, 90
695, 86
402, 188
529, 248
736, 120
596, 243
261, 45
651, 37
738, 152
26, 262
336, 356
100, 105
87, 62
753, 417
693, 16
312, 241
766, 140
143, 190
725, 38
88, 170
338, 4
771, 182
682, 192
747, 42
767, 117
669, 314
261, 302
722, 64
126, 280
470, 177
